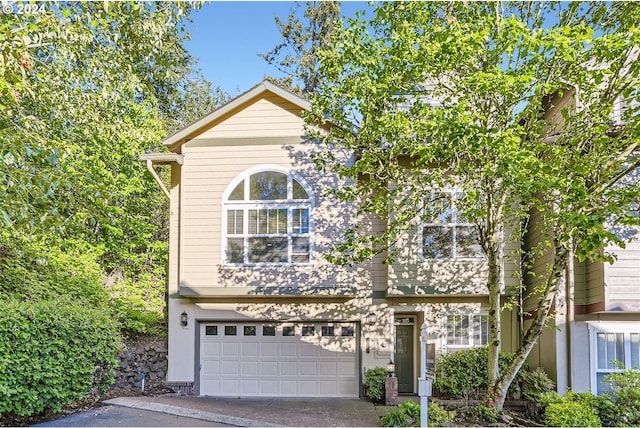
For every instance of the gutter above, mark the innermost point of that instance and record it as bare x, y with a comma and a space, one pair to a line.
161, 159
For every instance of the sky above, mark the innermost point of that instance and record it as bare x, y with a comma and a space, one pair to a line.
227, 36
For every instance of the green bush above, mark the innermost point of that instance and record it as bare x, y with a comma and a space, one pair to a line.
374, 380
408, 414
570, 413
535, 384
624, 394
438, 415
53, 352
463, 374
395, 418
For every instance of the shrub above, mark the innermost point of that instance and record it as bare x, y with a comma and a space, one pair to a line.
463, 374
438, 415
569, 413
408, 414
374, 380
535, 384
624, 393
395, 418
53, 352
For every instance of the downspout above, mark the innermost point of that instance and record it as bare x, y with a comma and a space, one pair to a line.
157, 178
570, 316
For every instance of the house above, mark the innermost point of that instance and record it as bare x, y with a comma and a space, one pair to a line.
255, 310
598, 305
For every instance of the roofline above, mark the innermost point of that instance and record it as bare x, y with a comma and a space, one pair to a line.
162, 158
264, 86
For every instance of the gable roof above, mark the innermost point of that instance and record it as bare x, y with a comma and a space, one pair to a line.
181, 135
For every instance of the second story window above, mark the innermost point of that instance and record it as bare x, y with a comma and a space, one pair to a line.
446, 234
268, 217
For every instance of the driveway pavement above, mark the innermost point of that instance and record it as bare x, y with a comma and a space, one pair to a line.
175, 410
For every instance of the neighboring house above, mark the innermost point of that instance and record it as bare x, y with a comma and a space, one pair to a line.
255, 309
598, 305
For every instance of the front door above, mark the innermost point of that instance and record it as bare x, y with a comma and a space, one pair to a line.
404, 357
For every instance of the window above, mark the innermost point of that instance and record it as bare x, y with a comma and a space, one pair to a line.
268, 219
268, 330
464, 331
614, 349
446, 234
327, 330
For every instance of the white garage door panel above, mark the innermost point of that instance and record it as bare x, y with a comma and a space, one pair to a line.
247, 359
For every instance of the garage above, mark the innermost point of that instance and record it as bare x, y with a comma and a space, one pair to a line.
279, 359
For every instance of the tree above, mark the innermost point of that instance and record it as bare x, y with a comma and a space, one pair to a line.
87, 87
297, 55
429, 95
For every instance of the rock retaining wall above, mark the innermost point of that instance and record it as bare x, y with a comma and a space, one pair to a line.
148, 358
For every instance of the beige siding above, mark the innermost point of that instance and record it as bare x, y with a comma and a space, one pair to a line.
207, 171
541, 263
374, 271
410, 274
553, 116
270, 116
622, 279
594, 290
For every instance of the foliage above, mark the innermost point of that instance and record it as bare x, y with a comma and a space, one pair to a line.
297, 55
375, 380
571, 414
395, 418
535, 384
565, 407
408, 414
624, 395
87, 87
33, 271
53, 352
463, 374
451, 94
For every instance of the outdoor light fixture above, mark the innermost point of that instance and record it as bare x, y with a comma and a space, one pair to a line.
371, 318
391, 368
184, 319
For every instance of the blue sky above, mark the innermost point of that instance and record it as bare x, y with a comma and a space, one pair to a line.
227, 36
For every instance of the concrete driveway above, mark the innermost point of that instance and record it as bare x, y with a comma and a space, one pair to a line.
174, 410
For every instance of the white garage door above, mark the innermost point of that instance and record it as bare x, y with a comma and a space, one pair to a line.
286, 360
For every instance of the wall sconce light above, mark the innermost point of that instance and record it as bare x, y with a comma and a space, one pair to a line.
184, 319
371, 318
367, 348
391, 368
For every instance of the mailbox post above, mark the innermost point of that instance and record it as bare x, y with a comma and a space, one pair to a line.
427, 374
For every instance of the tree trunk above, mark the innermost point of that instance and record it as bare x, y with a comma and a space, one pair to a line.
560, 261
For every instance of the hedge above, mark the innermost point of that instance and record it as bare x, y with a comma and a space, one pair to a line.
53, 352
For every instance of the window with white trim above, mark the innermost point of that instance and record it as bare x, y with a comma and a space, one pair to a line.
268, 219
614, 352
447, 234
467, 330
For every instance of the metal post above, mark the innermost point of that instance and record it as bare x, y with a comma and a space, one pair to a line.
424, 398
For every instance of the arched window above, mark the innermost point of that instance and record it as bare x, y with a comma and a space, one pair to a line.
267, 214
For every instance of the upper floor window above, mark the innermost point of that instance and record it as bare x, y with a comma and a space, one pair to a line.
267, 218
446, 234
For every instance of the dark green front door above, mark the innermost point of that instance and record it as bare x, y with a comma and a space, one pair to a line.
404, 357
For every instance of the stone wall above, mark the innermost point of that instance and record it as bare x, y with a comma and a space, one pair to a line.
143, 356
